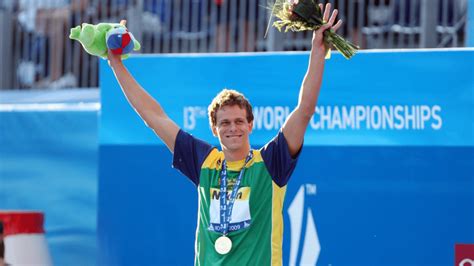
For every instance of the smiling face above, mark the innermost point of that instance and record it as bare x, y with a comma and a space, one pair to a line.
233, 130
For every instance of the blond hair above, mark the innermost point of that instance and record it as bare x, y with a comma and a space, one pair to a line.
228, 97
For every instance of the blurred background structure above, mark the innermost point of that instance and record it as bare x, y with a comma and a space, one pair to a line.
36, 52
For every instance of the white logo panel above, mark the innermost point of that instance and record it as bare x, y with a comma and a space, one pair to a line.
311, 246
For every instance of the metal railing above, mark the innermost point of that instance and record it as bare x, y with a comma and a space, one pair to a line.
36, 51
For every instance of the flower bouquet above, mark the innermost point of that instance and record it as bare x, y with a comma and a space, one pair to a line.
307, 15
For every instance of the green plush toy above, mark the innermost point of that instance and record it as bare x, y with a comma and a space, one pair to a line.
97, 39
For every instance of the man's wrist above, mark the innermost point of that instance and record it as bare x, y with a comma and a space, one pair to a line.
318, 52
115, 64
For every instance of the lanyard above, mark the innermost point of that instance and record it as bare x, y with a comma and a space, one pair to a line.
226, 207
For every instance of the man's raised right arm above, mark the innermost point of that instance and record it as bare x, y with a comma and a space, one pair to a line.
144, 104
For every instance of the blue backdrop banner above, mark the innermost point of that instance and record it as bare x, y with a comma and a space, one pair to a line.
385, 176
48, 163
416, 98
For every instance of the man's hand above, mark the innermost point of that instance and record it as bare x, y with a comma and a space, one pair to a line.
318, 37
114, 59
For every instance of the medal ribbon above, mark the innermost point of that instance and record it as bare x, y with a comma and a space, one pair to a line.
226, 207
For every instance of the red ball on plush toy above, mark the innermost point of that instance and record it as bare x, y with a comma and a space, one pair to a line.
119, 41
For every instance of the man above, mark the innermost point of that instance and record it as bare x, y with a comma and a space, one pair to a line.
240, 190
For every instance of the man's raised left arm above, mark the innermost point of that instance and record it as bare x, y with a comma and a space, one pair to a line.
297, 122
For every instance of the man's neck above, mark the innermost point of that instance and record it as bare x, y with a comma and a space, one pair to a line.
232, 156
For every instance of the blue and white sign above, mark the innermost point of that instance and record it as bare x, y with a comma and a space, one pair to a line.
379, 98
